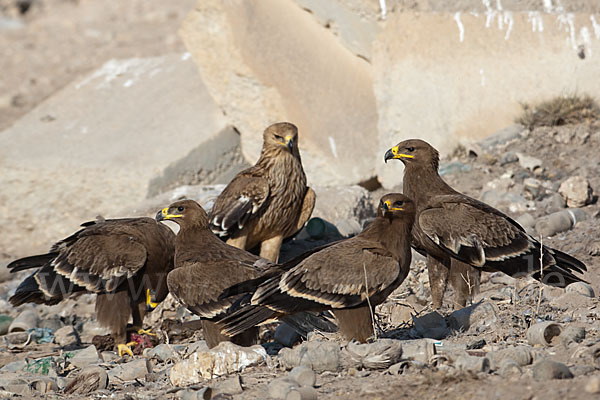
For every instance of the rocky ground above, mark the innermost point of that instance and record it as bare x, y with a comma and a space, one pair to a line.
487, 350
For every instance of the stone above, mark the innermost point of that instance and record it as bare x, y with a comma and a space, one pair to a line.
343, 203
85, 357
136, 369
431, 325
90, 379
529, 162
14, 366
237, 46
576, 191
509, 367
503, 136
109, 127
280, 387
303, 375
572, 334
472, 364
582, 288
548, 369
377, 355
206, 393
302, 393
508, 158
478, 317
232, 385
215, 161
317, 355
163, 352
223, 359
592, 385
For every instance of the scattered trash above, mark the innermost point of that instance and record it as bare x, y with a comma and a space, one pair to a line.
226, 358
548, 369
544, 333
378, 355
318, 355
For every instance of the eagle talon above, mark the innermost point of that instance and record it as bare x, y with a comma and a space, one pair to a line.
146, 332
123, 349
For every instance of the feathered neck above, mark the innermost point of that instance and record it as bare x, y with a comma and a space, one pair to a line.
422, 181
392, 233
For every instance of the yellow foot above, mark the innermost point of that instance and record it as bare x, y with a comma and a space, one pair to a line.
123, 349
146, 332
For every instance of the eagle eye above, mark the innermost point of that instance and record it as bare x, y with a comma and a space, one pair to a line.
278, 137
399, 203
410, 149
180, 208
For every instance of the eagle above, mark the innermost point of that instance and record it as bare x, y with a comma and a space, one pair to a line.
349, 277
458, 233
205, 267
268, 202
124, 261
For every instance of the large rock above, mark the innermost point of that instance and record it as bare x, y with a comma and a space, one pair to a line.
262, 69
96, 144
448, 77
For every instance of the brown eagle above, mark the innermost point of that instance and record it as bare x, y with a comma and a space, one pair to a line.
124, 261
205, 266
346, 277
268, 202
457, 232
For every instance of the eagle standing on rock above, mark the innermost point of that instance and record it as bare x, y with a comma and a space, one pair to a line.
350, 277
124, 261
458, 232
205, 266
268, 202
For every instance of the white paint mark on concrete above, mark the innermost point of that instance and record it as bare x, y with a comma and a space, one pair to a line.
548, 6
498, 5
536, 21
508, 20
596, 27
112, 69
383, 8
490, 13
84, 130
586, 37
333, 147
461, 28
186, 56
128, 82
482, 77
568, 21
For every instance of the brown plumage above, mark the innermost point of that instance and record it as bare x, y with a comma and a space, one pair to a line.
121, 260
339, 276
268, 202
458, 232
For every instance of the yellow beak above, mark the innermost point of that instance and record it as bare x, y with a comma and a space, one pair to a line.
387, 205
394, 153
165, 214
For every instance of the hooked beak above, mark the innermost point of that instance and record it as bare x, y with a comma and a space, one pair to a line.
289, 142
394, 153
164, 214
387, 207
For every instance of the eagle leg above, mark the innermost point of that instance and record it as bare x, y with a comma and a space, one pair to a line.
438, 279
269, 249
465, 281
